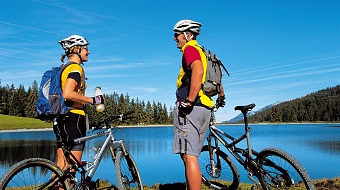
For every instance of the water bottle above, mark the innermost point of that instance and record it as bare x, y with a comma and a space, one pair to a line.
99, 107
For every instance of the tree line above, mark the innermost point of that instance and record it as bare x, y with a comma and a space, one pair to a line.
20, 102
320, 106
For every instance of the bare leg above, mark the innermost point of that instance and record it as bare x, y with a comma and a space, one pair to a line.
192, 172
61, 160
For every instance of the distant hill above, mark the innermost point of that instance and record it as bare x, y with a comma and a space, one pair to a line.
250, 113
320, 106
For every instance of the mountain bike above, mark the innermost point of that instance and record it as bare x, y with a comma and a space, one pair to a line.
40, 173
273, 167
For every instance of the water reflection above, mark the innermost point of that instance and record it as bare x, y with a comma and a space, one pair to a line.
331, 147
13, 151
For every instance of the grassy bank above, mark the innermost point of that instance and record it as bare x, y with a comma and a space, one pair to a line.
8, 122
323, 184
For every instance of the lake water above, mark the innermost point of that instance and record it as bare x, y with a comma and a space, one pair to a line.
316, 146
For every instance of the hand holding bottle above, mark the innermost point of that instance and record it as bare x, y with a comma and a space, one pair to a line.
98, 100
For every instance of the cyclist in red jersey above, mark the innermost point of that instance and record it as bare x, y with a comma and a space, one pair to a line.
192, 111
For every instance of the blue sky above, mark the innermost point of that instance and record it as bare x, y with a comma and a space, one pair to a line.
274, 50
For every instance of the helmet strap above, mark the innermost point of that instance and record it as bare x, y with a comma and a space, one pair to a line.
81, 60
79, 52
68, 54
185, 35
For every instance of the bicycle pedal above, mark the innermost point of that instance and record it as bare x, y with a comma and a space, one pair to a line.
61, 185
255, 186
250, 176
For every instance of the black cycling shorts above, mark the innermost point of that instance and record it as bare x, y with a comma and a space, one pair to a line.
70, 127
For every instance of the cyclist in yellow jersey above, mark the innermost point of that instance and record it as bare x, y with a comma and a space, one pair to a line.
73, 125
192, 111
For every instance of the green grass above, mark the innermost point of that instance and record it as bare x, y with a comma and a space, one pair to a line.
8, 122
322, 184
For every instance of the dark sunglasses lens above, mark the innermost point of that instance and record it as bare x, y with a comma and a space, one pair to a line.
176, 35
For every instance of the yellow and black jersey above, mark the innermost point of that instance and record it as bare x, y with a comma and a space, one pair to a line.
76, 72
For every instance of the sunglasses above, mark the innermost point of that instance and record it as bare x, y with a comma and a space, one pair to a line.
177, 34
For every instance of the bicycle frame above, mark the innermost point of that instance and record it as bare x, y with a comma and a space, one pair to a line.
91, 168
243, 155
42, 173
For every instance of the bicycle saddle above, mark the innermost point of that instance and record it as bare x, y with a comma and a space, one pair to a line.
245, 109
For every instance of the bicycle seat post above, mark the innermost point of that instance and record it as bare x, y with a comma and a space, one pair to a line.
244, 110
246, 128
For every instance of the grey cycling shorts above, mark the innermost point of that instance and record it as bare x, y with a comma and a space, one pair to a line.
190, 130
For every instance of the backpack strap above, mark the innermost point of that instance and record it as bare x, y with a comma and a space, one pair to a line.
214, 58
82, 78
63, 67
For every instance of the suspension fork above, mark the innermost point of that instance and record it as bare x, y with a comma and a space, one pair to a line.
129, 162
212, 151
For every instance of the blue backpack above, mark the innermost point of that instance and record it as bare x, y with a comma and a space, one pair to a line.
51, 103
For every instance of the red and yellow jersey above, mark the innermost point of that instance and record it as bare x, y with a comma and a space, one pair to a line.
76, 72
191, 52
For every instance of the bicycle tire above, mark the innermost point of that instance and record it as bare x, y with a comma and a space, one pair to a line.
127, 173
284, 170
227, 176
33, 173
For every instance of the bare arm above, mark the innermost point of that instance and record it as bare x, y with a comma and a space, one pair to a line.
196, 79
221, 91
69, 92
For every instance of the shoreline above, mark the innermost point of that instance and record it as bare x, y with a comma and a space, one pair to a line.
144, 126
51, 129
136, 126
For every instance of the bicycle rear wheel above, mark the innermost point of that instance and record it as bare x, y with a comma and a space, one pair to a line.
282, 171
127, 173
225, 175
33, 173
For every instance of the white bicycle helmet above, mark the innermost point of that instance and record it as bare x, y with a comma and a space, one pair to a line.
188, 25
73, 40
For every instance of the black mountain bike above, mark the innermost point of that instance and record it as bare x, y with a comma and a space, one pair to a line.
40, 173
273, 167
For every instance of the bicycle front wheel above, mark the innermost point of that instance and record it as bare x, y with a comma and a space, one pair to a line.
127, 173
222, 173
33, 173
282, 171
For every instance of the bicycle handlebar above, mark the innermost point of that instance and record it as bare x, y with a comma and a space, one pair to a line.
107, 121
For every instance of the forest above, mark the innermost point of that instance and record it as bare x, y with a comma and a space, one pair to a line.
21, 102
320, 106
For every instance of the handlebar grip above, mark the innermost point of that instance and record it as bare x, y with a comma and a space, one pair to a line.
114, 117
96, 125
